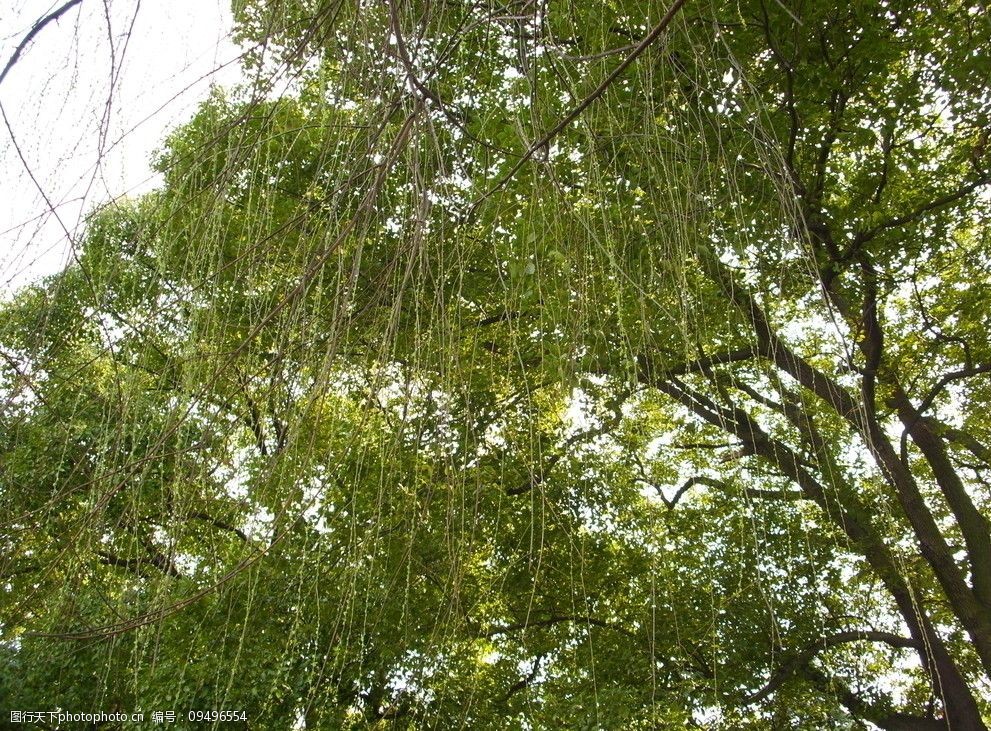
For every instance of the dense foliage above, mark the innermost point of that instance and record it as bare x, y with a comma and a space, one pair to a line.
453, 379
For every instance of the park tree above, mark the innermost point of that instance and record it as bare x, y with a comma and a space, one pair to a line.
526, 365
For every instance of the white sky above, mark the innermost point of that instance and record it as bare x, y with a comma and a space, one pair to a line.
81, 151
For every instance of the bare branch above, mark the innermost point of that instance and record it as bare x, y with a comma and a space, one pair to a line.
35, 30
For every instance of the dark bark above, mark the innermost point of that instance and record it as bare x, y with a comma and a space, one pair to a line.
845, 509
976, 529
799, 661
933, 545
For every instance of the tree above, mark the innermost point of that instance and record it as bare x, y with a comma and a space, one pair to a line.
484, 365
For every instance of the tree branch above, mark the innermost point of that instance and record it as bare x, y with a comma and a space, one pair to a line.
555, 619
799, 661
933, 544
860, 709
948, 378
571, 116
134, 564
722, 485
35, 30
849, 513
217, 522
524, 683
914, 215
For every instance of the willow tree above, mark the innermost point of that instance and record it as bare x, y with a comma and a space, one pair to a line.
526, 365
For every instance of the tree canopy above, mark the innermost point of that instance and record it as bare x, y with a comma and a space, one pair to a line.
516, 364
